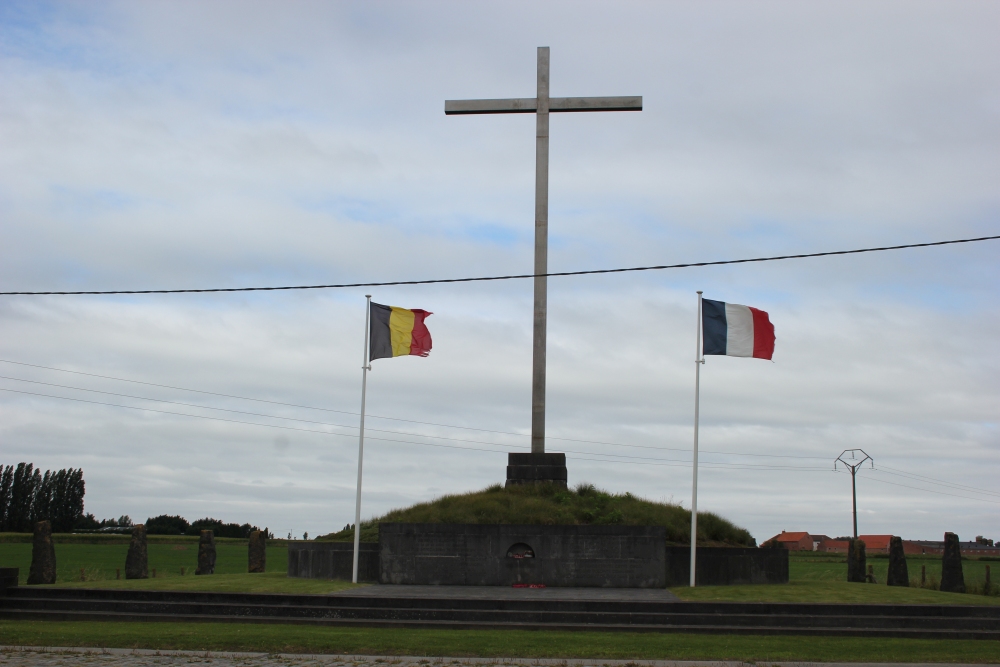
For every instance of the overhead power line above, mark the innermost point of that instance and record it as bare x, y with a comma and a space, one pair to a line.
345, 412
612, 458
512, 276
917, 488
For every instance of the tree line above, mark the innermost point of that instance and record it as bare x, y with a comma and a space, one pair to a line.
178, 525
28, 496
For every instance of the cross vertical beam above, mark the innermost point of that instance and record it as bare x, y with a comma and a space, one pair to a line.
541, 105
541, 255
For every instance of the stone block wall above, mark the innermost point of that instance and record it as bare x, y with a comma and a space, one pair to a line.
332, 560
727, 566
495, 555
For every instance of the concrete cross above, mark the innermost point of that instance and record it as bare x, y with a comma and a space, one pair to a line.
541, 106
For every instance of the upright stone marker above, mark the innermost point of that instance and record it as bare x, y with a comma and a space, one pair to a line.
43, 556
856, 561
206, 553
137, 560
541, 105
952, 578
257, 551
898, 574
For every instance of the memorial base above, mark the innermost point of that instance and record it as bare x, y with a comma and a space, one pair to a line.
536, 469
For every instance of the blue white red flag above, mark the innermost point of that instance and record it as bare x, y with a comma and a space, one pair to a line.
735, 330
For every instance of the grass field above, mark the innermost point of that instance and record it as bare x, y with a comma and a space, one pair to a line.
492, 643
167, 556
812, 577
550, 504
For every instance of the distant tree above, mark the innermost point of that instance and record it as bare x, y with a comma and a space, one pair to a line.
166, 525
6, 479
220, 529
87, 522
28, 496
66, 499
22, 494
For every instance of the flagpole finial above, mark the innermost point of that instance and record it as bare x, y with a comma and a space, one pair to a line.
368, 296
699, 291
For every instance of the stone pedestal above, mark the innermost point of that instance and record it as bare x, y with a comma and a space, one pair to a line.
856, 561
952, 578
43, 556
137, 560
898, 575
257, 552
206, 553
536, 468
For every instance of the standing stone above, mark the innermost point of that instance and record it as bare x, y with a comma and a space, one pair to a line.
206, 553
43, 556
898, 574
258, 551
952, 579
137, 560
856, 561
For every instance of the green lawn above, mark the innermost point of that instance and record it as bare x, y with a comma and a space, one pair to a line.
815, 577
99, 562
491, 643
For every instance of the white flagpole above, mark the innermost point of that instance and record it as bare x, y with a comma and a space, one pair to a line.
361, 441
698, 360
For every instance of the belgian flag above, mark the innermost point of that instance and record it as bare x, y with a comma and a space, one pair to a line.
396, 332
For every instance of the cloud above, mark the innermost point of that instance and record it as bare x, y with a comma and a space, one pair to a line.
243, 144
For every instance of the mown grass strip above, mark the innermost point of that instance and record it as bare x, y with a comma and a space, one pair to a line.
490, 643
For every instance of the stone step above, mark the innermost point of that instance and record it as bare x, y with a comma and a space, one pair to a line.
503, 617
345, 601
860, 620
720, 628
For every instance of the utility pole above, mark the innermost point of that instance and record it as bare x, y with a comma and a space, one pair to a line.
858, 456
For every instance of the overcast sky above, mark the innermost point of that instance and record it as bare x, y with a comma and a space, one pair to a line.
163, 145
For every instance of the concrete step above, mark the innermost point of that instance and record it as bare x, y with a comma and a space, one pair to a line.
469, 625
747, 618
681, 616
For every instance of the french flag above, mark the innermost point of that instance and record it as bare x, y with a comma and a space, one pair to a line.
735, 330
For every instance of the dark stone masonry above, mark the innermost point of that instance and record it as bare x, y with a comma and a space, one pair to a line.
206, 553
727, 566
952, 577
536, 468
43, 556
553, 556
137, 559
257, 552
856, 561
496, 555
898, 575
332, 560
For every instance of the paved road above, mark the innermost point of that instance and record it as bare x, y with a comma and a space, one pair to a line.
66, 657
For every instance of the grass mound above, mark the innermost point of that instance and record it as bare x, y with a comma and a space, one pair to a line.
548, 504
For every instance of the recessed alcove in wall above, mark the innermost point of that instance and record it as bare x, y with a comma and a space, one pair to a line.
520, 550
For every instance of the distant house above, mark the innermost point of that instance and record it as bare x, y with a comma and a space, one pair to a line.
968, 549
833, 546
873, 544
818, 540
797, 541
876, 544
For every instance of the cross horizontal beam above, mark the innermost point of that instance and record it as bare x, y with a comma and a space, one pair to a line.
530, 105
